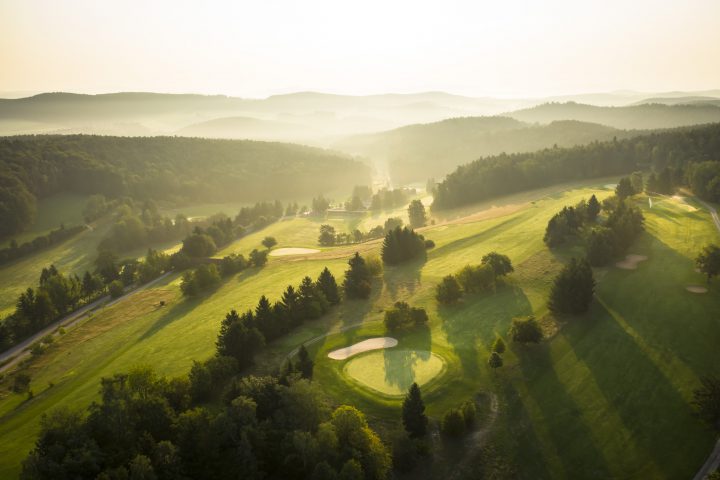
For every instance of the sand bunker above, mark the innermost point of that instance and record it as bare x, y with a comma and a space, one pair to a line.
611, 186
696, 289
281, 252
631, 261
364, 346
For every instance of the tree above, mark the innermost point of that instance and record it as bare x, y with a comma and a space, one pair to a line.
327, 235
320, 205
525, 330
199, 245
327, 284
357, 278
413, 413
448, 291
652, 184
401, 245
708, 261
258, 258
351, 470
304, 363
453, 423
495, 360
636, 180
601, 246
392, 223
417, 215
706, 400
477, 278
269, 242
116, 288
500, 264
593, 209
498, 346
238, 338
624, 189
403, 315
573, 288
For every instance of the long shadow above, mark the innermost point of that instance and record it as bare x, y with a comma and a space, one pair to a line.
354, 311
650, 407
471, 240
400, 361
479, 318
173, 313
403, 277
561, 417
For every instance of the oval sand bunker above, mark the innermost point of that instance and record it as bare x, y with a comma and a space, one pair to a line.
391, 372
364, 346
281, 252
631, 261
696, 289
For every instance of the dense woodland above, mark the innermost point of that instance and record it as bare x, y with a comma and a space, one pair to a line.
176, 170
684, 150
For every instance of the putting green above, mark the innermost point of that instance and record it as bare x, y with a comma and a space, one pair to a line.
391, 372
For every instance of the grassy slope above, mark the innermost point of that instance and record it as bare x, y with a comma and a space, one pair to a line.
607, 396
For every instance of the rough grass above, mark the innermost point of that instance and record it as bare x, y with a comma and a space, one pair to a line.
607, 396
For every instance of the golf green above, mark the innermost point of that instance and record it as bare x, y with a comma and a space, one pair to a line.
391, 372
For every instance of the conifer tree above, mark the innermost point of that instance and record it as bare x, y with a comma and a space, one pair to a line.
357, 279
413, 413
327, 284
573, 288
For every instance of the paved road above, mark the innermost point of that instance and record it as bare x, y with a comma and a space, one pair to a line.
18, 352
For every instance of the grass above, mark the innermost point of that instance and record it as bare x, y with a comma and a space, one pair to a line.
53, 211
608, 395
392, 371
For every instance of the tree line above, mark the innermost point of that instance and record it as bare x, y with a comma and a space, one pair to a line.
172, 169
685, 152
15, 252
57, 294
474, 278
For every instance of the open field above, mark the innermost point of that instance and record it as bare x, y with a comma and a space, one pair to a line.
607, 396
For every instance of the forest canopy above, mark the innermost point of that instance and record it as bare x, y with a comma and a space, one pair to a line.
171, 169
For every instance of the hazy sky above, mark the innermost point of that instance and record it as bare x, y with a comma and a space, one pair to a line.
261, 47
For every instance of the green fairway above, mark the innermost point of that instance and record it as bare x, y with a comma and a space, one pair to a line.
607, 395
392, 371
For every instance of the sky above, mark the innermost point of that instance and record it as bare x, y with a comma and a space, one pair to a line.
257, 48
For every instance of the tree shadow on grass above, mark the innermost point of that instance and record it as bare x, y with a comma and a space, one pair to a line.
468, 241
403, 277
178, 310
658, 417
561, 417
480, 318
400, 361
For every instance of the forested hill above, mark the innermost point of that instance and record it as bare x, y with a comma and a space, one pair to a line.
417, 152
680, 150
177, 170
638, 117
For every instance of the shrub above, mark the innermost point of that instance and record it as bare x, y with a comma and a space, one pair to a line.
573, 288
498, 346
269, 242
448, 290
469, 412
116, 289
429, 244
495, 360
477, 278
453, 423
21, 382
403, 315
525, 330
374, 265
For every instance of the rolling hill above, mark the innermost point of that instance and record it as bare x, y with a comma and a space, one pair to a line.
417, 152
638, 117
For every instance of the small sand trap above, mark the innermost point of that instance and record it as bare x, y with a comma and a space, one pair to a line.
611, 186
364, 346
631, 261
696, 289
281, 252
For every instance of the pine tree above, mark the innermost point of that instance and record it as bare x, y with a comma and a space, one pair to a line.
304, 363
327, 284
357, 279
413, 412
593, 209
624, 188
498, 346
573, 288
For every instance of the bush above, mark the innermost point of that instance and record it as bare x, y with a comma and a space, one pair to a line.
573, 288
116, 289
429, 244
495, 360
37, 349
374, 265
448, 290
469, 412
269, 242
258, 258
453, 423
477, 278
498, 346
525, 330
403, 315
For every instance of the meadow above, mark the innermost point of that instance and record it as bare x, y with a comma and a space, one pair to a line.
607, 395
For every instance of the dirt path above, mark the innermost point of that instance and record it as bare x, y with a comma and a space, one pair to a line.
21, 350
474, 442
